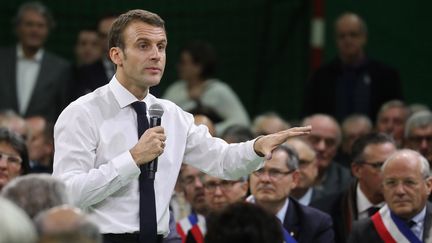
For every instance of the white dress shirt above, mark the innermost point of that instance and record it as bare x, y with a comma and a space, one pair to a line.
27, 73
93, 136
363, 204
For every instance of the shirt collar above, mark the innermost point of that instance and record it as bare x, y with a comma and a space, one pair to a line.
124, 97
363, 204
419, 218
306, 199
37, 57
282, 212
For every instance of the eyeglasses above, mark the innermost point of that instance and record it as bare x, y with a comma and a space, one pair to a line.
223, 185
329, 142
303, 162
191, 179
273, 174
12, 159
376, 165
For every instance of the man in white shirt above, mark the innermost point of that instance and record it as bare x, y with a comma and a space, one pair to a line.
98, 153
33, 80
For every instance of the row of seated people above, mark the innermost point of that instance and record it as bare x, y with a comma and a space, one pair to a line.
389, 185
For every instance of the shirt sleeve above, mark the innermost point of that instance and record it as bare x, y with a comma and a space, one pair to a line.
76, 138
216, 157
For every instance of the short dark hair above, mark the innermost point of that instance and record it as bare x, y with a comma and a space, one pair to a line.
122, 21
202, 54
243, 222
18, 144
38, 7
361, 143
238, 133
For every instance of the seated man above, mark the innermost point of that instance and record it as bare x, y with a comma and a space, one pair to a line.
244, 222
391, 119
364, 197
218, 195
271, 187
418, 134
13, 156
407, 217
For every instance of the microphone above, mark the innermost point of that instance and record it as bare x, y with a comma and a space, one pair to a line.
155, 112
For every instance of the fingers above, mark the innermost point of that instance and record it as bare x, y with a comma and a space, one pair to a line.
297, 131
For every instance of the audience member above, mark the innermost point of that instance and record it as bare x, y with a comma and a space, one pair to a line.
33, 80
204, 120
92, 76
40, 144
237, 134
66, 224
13, 157
15, 225
364, 197
391, 120
271, 187
325, 139
269, 123
244, 222
193, 190
353, 82
36, 192
304, 191
88, 47
407, 217
416, 107
197, 87
353, 127
418, 134
14, 122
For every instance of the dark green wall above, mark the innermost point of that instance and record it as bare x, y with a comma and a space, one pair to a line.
262, 45
400, 34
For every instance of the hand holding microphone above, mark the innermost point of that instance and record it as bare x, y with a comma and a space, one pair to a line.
152, 143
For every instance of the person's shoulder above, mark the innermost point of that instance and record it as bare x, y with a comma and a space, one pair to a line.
362, 224
379, 65
173, 89
315, 216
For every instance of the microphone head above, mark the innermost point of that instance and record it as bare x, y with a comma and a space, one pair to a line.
156, 110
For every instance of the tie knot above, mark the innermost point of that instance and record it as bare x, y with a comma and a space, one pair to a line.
139, 107
372, 210
411, 223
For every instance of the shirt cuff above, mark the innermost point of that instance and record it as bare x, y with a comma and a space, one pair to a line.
126, 167
256, 161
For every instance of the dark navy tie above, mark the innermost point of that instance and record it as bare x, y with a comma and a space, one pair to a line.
147, 212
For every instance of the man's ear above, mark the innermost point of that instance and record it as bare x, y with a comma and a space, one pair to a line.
355, 169
429, 185
116, 54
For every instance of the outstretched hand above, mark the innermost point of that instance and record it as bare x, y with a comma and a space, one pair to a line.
264, 145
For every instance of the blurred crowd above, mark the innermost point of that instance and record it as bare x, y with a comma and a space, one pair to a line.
324, 187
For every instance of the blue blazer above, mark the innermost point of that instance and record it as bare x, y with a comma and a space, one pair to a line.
308, 224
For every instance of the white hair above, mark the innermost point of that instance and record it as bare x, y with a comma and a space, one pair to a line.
15, 225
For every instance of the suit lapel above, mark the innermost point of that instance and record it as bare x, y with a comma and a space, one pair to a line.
42, 78
10, 76
428, 222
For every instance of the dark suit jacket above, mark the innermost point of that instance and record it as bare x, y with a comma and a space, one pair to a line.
364, 230
49, 94
87, 79
308, 224
342, 207
320, 93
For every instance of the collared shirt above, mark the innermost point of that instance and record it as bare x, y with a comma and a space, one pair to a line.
27, 73
282, 212
418, 228
93, 136
307, 197
363, 204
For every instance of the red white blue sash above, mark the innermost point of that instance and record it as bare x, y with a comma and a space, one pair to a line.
194, 223
391, 228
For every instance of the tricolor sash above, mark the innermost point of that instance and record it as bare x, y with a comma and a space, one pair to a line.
391, 228
287, 237
193, 223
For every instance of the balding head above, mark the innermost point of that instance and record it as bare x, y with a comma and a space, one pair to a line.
204, 120
66, 224
325, 138
351, 37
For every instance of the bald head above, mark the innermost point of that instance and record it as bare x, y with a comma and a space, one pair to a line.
324, 138
204, 120
351, 37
